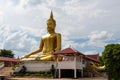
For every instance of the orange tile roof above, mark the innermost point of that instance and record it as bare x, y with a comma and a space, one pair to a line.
69, 51
94, 57
9, 59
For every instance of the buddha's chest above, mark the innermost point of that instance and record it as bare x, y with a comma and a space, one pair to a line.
50, 38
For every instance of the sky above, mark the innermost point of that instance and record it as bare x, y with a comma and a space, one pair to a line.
85, 25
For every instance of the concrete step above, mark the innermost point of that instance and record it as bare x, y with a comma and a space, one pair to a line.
6, 71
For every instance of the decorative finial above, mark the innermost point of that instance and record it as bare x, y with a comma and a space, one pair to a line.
51, 15
51, 18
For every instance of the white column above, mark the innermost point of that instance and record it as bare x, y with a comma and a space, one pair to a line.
59, 73
82, 65
82, 73
75, 72
75, 75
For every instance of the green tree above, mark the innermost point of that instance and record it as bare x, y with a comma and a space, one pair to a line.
111, 57
6, 53
101, 61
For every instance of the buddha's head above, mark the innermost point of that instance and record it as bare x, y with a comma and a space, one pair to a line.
51, 23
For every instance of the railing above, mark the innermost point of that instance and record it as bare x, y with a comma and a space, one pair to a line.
1, 65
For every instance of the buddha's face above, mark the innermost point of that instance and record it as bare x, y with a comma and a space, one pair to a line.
50, 26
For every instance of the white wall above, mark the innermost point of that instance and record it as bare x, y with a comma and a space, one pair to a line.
36, 66
66, 65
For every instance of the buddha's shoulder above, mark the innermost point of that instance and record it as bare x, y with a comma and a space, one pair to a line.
44, 36
55, 34
58, 34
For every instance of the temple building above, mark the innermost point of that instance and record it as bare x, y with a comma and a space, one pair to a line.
9, 62
74, 60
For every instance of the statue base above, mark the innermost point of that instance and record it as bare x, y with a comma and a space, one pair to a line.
35, 65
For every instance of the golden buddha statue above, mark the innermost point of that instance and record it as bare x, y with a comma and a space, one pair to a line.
50, 43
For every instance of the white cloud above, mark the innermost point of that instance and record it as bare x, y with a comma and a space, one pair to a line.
17, 40
51, 2
82, 8
90, 52
100, 36
99, 39
1, 15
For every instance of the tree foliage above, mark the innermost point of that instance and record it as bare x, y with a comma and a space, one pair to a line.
111, 57
101, 62
6, 53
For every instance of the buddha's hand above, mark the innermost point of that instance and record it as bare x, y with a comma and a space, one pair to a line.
25, 56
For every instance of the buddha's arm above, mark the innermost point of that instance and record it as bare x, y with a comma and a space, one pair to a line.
36, 51
58, 42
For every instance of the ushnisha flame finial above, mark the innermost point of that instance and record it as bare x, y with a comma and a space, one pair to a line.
51, 15
51, 18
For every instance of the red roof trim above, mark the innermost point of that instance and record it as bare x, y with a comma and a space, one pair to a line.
9, 59
68, 51
90, 58
71, 51
94, 57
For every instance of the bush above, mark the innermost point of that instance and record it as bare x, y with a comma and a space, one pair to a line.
34, 74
